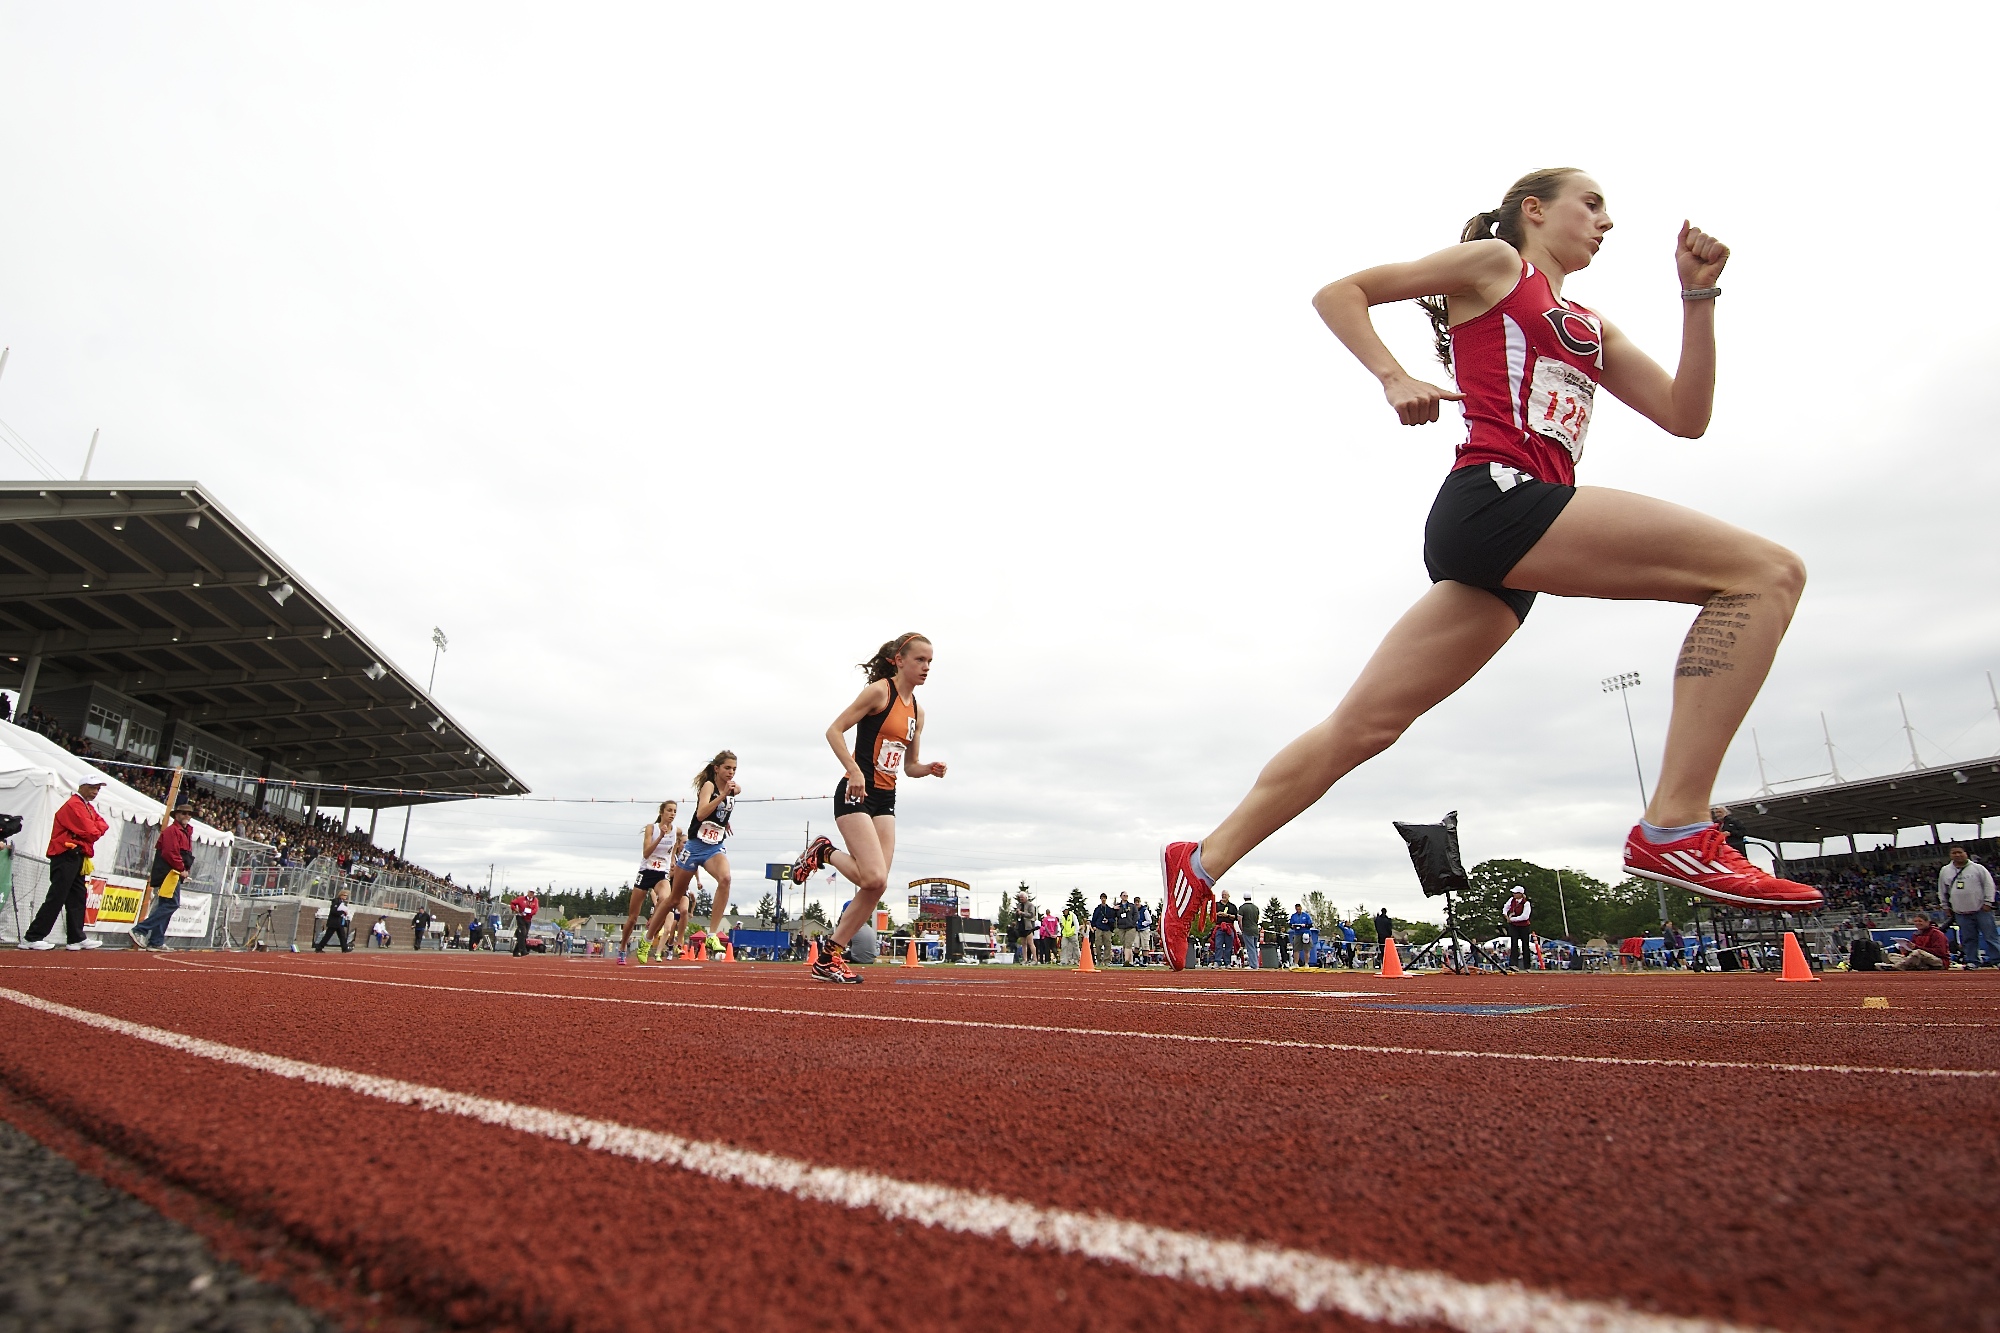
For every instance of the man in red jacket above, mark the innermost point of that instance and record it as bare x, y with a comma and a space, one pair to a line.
525, 906
78, 826
171, 859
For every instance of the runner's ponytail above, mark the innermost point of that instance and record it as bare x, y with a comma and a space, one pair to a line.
708, 774
883, 665
1502, 223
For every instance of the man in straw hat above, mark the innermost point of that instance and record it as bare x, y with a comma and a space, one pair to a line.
172, 857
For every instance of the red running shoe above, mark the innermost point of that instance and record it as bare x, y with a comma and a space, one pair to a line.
811, 859
1187, 895
1704, 863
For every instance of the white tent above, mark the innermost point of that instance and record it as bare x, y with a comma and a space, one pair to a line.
37, 776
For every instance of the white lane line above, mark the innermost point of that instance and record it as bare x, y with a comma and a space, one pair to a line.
1306, 1280
1526, 1057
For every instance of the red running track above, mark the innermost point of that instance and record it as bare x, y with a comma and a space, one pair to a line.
495, 1142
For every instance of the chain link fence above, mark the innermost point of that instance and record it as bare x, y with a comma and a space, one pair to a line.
252, 900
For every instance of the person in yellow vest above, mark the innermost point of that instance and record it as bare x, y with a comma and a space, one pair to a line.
172, 859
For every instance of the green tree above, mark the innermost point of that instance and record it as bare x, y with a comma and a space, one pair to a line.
1077, 903
700, 902
1274, 918
1322, 909
814, 912
1417, 932
1364, 924
767, 908
1630, 907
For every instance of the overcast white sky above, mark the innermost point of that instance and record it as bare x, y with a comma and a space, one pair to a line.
670, 358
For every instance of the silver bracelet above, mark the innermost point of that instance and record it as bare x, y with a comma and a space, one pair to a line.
1700, 293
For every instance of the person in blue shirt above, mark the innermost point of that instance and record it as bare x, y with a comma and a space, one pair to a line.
1300, 923
1347, 943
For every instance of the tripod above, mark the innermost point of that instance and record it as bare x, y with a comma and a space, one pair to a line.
1449, 955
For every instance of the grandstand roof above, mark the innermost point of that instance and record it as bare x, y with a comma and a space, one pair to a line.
155, 590
1954, 794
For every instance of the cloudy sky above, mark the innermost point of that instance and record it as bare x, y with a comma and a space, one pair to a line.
672, 357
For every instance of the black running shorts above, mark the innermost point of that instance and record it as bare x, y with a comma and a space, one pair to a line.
1485, 518
648, 878
876, 803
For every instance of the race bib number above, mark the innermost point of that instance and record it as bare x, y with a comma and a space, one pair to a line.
889, 756
656, 863
1559, 402
710, 831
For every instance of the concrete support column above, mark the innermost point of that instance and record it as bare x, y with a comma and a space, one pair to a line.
29, 670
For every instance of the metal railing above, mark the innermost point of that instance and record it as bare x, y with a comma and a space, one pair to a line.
254, 872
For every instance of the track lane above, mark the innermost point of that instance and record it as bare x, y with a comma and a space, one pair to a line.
1068, 1094
416, 1248
1849, 1042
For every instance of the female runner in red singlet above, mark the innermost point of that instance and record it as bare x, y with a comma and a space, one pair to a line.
888, 727
1509, 522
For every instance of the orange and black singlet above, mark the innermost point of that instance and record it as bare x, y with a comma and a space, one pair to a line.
882, 739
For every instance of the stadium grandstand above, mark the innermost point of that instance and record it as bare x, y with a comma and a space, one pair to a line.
147, 629
1881, 879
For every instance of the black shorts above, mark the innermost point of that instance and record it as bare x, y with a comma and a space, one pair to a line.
876, 803
1478, 531
648, 878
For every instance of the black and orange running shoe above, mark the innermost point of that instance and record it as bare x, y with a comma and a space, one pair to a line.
811, 859
832, 964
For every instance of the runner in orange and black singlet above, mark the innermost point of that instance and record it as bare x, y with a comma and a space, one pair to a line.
888, 727
881, 742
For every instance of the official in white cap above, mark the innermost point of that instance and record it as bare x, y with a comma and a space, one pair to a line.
1517, 911
74, 837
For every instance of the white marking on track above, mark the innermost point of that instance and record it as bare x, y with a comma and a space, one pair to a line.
1355, 1048
1306, 1280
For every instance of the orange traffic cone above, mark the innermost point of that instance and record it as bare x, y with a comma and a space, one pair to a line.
728, 950
812, 954
1795, 961
1392, 966
1083, 963
910, 956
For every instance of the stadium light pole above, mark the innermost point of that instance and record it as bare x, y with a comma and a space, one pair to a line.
1618, 685
438, 645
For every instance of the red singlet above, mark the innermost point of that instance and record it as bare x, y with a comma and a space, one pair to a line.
1528, 369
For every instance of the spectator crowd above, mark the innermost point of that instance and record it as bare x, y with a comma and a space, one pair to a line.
297, 842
